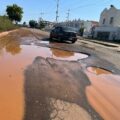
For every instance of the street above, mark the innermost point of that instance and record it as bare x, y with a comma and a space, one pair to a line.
43, 80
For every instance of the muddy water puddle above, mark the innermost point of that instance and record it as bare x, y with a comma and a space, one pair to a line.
104, 93
12, 65
54, 53
13, 61
98, 71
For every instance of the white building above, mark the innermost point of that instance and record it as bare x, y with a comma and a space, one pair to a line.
87, 25
109, 24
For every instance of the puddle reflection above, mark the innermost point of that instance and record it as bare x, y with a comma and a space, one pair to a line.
66, 55
10, 44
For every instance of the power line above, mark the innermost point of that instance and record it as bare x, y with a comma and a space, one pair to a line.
72, 9
89, 5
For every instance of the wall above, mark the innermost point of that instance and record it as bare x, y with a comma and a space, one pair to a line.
113, 31
107, 14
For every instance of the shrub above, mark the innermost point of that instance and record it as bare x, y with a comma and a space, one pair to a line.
6, 24
33, 23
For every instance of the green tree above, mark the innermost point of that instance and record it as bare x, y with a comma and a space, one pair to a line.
24, 24
33, 23
14, 12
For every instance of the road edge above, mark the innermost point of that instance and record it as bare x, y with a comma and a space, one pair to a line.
2, 34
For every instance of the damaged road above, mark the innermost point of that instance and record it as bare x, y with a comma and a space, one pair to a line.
65, 84
43, 80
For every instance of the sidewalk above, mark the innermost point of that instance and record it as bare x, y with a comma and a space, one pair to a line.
105, 43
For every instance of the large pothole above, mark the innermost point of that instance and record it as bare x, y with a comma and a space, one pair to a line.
98, 71
53, 53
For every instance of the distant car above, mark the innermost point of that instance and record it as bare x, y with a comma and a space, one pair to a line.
64, 34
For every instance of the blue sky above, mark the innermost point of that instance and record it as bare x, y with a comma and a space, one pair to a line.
83, 9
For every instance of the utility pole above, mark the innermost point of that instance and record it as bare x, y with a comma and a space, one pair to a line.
41, 16
68, 14
57, 11
68, 17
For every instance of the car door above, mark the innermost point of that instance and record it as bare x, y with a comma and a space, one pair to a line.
59, 32
55, 33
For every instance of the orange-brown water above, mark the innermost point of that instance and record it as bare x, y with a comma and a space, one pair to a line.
12, 82
98, 71
13, 61
104, 93
66, 55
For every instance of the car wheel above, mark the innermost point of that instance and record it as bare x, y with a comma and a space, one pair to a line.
59, 39
73, 41
51, 38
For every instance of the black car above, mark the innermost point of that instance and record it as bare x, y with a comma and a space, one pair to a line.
64, 34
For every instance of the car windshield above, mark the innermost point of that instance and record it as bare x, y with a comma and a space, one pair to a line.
69, 29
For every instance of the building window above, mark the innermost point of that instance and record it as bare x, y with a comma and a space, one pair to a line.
111, 20
104, 21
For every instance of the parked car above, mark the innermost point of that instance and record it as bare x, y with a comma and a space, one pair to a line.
64, 34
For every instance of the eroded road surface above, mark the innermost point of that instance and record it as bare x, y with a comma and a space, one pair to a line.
43, 80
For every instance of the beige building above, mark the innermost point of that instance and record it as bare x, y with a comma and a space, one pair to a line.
109, 24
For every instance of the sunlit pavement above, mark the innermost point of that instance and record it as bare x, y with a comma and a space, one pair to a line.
43, 80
